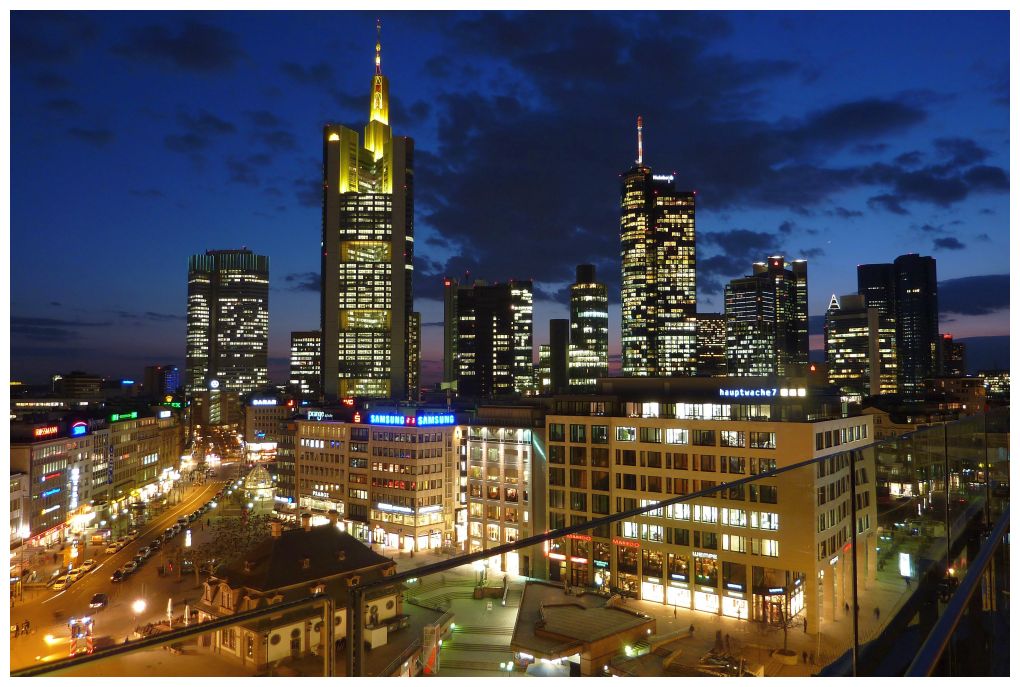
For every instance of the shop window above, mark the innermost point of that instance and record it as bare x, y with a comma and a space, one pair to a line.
679, 567
706, 571
627, 559
651, 563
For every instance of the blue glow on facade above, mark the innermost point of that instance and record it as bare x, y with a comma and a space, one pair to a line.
50, 492
79, 429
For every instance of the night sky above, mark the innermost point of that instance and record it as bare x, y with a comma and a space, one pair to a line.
139, 139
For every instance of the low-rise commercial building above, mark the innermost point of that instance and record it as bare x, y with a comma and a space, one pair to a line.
771, 549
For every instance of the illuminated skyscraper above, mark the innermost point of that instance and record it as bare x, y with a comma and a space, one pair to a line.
494, 339
952, 357
711, 344
908, 289
367, 254
658, 294
305, 368
414, 357
766, 320
228, 321
589, 330
860, 348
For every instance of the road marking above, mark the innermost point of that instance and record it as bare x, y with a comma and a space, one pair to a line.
54, 596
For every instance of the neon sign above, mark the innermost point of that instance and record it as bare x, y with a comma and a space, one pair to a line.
44, 431
624, 542
133, 415
437, 419
749, 393
163, 414
79, 429
390, 420
50, 492
395, 509
263, 402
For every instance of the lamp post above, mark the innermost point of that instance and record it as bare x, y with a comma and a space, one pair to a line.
138, 607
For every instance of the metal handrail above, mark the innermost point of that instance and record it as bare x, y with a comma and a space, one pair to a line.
168, 637
935, 644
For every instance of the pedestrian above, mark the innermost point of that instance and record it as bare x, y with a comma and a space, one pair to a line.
846, 608
877, 612
17, 630
804, 655
906, 578
25, 627
691, 630
674, 612
805, 624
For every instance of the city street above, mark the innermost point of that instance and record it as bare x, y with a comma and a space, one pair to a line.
48, 611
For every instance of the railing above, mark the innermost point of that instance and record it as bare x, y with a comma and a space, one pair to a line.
914, 501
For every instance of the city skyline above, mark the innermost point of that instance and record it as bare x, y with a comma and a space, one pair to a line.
785, 158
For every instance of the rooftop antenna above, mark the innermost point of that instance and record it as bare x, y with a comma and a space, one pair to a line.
640, 154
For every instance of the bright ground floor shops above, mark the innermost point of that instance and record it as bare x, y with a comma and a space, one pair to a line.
390, 530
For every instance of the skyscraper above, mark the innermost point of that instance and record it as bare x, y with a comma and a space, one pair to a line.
658, 290
589, 330
860, 348
909, 289
161, 380
494, 339
450, 321
305, 369
952, 357
367, 254
766, 319
559, 355
711, 344
228, 321
414, 357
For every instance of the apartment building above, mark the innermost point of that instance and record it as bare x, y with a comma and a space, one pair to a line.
768, 550
392, 474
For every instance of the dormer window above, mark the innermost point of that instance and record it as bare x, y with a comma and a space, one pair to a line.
306, 563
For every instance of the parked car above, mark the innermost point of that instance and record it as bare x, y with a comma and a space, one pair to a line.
117, 576
130, 567
75, 574
113, 547
62, 583
155, 544
99, 601
144, 553
88, 565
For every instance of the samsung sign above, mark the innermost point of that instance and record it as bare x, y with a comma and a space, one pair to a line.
749, 393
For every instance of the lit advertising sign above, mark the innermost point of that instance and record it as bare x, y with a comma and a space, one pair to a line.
44, 431
163, 414
394, 509
133, 415
749, 393
263, 402
435, 419
390, 420
79, 429
319, 415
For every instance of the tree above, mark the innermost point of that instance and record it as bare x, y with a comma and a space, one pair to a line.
230, 539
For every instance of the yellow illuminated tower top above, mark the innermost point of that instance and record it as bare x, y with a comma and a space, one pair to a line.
377, 133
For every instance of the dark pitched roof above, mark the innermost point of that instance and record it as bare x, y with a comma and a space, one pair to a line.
277, 562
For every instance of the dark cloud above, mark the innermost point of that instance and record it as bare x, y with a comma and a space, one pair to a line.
264, 118
195, 47
811, 253
308, 192
870, 148
199, 131
437, 323
64, 106
986, 211
96, 137
318, 74
786, 227
49, 37
277, 139
977, 295
985, 178
149, 316
982, 237
887, 202
303, 281
911, 159
245, 170
931, 229
49, 329
55, 304
948, 243
50, 81
844, 213
862, 119
960, 152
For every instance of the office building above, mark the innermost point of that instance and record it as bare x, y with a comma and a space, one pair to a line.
589, 330
305, 367
952, 357
506, 476
228, 321
391, 474
909, 289
263, 415
658, 290
78, 385
559, 355
450, 325
494, 339
161, 381
860, 348
711, 344
766, 320
776, 548
414, 358
367, 254
996, 383
543, 370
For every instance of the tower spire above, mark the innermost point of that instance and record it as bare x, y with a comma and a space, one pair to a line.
378, 46
640, 153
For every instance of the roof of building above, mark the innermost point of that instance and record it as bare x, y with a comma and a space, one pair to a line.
279, 561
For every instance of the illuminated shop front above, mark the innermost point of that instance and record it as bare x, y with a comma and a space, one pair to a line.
652, 590
706, 599
678, 594
627, 557
774, 601
734, 605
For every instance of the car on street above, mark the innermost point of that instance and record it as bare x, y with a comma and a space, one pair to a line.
130, 567
144, 553
75, 574
99, 601
132, 534
61, 584
182, 521
117, 576
88, 565
112, 547
155, 544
